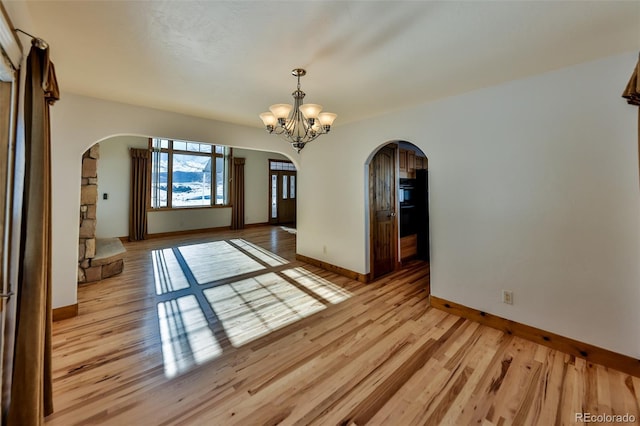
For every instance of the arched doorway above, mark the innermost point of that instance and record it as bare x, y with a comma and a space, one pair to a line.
398, 207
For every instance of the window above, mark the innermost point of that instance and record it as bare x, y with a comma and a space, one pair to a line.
188, 174
281, 165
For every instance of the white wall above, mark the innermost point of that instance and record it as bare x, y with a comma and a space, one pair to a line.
114, 173
533, 188
188, 220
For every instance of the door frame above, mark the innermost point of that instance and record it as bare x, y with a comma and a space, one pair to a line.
275, 221
369, 219
396, 240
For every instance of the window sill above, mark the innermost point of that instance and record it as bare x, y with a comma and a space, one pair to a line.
169, 209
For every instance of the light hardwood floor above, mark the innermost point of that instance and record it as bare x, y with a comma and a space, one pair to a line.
228, 328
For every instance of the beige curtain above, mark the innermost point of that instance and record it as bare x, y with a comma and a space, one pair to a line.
632, 94
237, 194
140, 159
31, 397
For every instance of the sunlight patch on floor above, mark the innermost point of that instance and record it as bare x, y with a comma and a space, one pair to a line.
167, 273
185, 334
265, 256
318, 285
254, 307
257, 301
217, 260
289, 230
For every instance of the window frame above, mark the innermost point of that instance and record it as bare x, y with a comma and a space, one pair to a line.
213, 155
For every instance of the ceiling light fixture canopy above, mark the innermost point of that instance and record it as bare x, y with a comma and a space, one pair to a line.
299, 123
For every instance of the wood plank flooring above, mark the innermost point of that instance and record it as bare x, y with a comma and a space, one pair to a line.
186, 337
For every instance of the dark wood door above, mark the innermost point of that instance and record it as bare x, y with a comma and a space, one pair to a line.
382, 194
283, 195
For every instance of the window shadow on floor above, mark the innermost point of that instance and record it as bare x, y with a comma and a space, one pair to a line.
216, 296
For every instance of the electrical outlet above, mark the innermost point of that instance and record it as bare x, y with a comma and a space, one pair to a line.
324, 249
507, 297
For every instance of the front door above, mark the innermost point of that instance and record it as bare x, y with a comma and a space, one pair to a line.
382, 193
282, 193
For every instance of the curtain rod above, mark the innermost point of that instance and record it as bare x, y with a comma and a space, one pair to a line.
36, 41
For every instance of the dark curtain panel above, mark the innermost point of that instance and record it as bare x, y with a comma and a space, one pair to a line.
632, 94
237, 193
31, 398
140, 159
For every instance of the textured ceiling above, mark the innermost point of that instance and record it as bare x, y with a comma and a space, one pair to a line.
229, 60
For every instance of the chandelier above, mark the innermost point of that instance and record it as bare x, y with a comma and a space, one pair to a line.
298, 124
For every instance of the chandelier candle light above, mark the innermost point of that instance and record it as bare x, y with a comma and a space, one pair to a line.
298, 124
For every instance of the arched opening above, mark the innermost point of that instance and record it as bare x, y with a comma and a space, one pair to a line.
105, 196
398, 207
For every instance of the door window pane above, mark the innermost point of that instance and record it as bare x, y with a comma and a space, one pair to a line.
274, 196
292, 190
281, 165
285, 187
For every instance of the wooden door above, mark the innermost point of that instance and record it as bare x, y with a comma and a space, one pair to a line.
287, 197
384, 225
283, 195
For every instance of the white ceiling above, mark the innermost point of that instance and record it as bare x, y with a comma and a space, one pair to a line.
229, 60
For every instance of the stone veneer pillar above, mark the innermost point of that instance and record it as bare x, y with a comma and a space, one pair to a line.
88, 202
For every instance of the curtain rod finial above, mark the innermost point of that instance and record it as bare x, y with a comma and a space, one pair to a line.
35, 41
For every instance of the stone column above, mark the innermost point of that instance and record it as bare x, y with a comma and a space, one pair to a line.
88, 202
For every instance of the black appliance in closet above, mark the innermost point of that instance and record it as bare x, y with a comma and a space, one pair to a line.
408, 218
421, 202
414, 211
